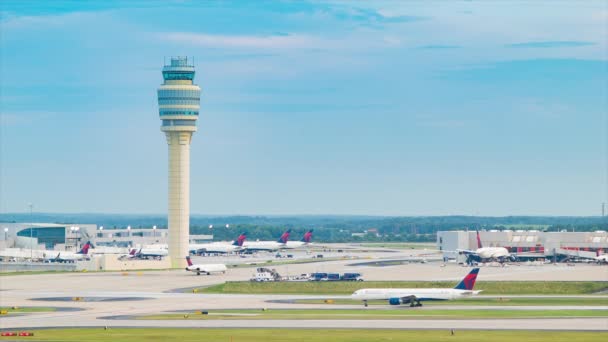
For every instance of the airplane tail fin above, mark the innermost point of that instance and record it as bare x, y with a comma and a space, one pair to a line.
479, 241
134, 252
189, 261
285, 237
468, 282
307, 237
240, 240
85, 248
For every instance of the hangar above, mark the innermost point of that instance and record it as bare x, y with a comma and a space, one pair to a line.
527, 244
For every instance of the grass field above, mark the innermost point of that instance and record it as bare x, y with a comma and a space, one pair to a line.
405, 313
10, 310
600, 301
342, 288
308, 335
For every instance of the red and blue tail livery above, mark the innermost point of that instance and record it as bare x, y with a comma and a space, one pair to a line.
85, 248
479, 245
307, 237
285, 237
469, 281
240, 240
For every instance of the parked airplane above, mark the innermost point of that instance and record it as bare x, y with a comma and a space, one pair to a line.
483, 254
218, 247
306, 240
268, 245
205, 268
413, 297
63, 256
147, 253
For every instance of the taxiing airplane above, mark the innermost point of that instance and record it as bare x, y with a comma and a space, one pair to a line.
306, 240
218, 247
413, 297
205, 268
483, 254
63, 256
268, 245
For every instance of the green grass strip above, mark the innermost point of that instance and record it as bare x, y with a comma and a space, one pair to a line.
342, 288
308, 335
10, 310
405, 313
600, 301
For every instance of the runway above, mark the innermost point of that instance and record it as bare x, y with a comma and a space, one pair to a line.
154, 293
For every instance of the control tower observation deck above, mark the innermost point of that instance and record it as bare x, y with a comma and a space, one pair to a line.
178, 106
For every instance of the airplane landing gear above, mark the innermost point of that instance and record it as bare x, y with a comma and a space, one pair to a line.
365, 303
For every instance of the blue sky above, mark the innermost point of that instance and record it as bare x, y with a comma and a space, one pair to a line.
346, 107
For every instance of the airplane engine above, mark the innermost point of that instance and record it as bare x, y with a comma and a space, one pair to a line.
395, 301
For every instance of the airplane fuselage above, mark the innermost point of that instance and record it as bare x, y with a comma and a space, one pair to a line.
492, 252
420, 294
214, 247
264, 245
207, 268
295, 244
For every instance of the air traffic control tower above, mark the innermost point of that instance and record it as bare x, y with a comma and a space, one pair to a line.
178, 106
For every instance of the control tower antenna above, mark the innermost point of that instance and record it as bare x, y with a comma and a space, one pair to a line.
178, 107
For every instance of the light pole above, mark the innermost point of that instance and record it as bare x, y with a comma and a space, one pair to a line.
70, 237
76, 237
6, 234
31, 232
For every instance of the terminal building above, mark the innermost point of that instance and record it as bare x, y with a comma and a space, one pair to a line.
71, 237
526, 244
67, 237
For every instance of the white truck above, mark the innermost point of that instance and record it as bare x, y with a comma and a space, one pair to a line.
263, 274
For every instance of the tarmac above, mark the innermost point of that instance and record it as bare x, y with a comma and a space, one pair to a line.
110, 299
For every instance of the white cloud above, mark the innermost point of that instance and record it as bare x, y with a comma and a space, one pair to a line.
268, 42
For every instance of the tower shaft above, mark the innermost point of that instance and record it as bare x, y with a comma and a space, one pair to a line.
179, 196
178, 106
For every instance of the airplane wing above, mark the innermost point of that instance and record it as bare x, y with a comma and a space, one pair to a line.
466, 252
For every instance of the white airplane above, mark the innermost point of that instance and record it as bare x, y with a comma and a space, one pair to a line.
146, 253
268, 245
218, 247
297, 244
482, 254
63, 256
14, 254
205, 268
601, 258
413, 297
